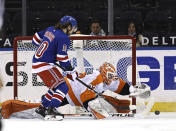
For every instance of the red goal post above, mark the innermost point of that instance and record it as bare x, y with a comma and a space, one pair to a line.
104, 41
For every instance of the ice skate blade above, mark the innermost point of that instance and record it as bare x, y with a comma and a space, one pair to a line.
36, 115
53, 118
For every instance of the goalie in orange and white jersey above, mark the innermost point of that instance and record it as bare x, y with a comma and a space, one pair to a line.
100, 80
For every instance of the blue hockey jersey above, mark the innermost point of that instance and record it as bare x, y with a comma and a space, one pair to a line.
52, 48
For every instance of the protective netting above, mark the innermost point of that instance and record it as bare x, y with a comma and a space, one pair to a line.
106, 45
117, 51
99, 45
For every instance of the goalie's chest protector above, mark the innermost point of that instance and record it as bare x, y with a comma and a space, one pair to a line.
76, 88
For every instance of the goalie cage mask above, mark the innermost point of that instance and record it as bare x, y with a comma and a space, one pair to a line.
107, 72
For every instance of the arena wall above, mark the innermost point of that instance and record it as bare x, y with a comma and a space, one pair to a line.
155, 67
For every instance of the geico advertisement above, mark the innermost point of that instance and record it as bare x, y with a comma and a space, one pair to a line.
156, 68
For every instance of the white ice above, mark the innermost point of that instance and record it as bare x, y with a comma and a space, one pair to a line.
162, 122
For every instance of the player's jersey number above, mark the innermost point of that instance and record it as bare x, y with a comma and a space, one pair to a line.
41, 49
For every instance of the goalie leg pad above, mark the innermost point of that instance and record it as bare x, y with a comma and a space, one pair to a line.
96, 108
121, 106
117, 102
123, 111
11, 106
100, 104
124, 102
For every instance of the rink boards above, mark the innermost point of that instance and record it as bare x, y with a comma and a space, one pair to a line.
155, 67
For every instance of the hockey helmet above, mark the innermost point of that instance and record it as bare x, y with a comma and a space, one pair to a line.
70, 19
107, 72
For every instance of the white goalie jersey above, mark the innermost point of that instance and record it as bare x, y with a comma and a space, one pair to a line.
78, 93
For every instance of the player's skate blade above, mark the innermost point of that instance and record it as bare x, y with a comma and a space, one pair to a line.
53, 118
40, 111
53, 115
36, 115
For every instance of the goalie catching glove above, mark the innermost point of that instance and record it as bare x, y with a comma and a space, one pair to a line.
142, 91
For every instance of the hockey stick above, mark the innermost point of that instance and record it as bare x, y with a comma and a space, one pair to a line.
60, 67
100, 94
111, 114
88, 86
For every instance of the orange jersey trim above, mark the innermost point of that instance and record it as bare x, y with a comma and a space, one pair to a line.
87, 95
120, 87
97, 81
71, 94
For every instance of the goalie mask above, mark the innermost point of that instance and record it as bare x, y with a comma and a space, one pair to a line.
107, 72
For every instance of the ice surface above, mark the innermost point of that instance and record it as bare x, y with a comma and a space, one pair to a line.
162, 122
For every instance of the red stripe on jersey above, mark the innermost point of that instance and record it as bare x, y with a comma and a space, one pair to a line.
62, 58
48, 96
40, 65
58, 97
35, 37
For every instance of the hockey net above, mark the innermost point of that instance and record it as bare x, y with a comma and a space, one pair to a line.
85, 53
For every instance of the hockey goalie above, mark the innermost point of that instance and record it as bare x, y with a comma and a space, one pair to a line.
88, 91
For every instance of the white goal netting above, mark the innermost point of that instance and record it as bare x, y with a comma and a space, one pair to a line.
85, 53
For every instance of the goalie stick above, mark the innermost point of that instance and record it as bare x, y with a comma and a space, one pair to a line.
101, 95
111, 114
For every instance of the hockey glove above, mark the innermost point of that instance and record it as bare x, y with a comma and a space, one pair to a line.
72, 74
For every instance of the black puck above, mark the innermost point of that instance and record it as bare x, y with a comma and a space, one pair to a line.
157, 112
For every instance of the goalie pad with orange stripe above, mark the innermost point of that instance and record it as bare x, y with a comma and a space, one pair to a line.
121, 106
12, 106
103, 105
97, 109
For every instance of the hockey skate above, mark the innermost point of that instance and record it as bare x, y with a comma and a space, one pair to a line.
142, 91
40, 111
52, 114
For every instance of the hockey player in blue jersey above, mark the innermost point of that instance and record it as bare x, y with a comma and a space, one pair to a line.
53, 43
